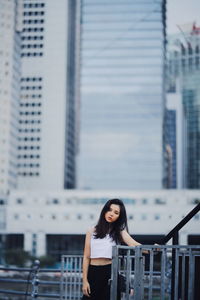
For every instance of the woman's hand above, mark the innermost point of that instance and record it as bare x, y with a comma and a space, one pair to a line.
157, 249
131, 292
86, 288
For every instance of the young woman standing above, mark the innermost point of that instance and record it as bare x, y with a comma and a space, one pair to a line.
110, 230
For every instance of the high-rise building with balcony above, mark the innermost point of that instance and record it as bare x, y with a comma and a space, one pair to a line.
122, 94
49, 94
10, 28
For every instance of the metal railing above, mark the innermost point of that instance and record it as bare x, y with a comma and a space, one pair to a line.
174, 235
34, 282
148, 272
71, 277
170, 273
29, 283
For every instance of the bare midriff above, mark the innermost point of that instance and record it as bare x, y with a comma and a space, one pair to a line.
101, 261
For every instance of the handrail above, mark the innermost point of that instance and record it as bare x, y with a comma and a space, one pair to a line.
182, 223
43, 270
139, 271
32, 280
174, 234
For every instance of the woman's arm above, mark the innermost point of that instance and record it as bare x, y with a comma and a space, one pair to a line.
128, 240
86, 262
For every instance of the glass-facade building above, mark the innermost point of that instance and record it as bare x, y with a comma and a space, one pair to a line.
191, 102
184, 65
122, 94
170, 139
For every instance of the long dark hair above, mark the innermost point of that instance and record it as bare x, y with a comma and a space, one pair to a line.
113, 229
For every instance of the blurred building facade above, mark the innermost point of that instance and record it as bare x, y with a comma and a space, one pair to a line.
184, 92
10, 28
39, 96
55, 222
49, 94
122, 94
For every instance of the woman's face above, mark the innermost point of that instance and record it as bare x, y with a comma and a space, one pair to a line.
113, 213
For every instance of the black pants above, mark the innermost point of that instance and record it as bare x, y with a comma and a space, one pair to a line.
98, 278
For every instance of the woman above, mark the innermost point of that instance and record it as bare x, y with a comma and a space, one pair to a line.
110, 230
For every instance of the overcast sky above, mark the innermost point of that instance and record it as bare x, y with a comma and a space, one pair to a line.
181, 12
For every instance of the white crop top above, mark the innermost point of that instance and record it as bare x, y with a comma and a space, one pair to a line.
101, 247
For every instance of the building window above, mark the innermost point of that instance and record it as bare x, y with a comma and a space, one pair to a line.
55, 201
16, 216
195, 201
34, 244
144, 201
91, 217
190, 50
160, 201
197, 60
19, 201
182, 49
79, 217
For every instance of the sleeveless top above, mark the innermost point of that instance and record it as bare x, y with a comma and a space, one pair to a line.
101, 247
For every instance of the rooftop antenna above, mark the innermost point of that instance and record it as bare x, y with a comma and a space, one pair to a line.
183, 33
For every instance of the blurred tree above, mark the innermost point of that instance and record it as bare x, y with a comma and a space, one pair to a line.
17, 257
47, 261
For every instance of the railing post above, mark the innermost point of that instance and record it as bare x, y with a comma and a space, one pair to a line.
114, 273
138, 281
175, 240
35, 280
62, 277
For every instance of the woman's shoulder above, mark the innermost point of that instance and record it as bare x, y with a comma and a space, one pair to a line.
123, 231
91, 230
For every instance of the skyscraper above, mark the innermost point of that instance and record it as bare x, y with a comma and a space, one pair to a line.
191, 102
184, 68
175, 137
122, 94
10, 27
171, 178
49, 93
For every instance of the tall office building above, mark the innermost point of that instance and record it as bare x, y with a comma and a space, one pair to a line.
171, 178
183, 53
10, 27
49, 94
122, 94
184, 68
191, 102
175, 138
